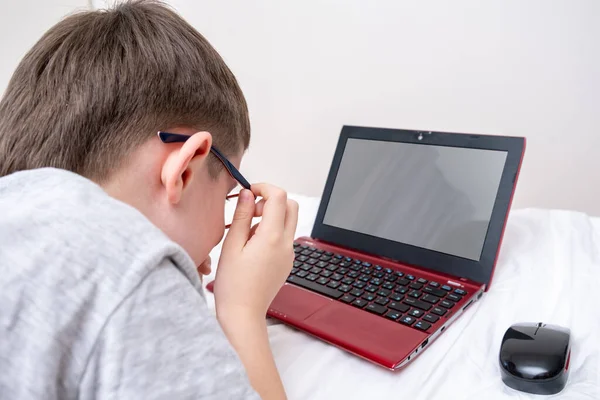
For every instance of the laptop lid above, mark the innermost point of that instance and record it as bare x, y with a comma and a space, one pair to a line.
429, 199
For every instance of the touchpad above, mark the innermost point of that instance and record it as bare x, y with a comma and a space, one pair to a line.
297, 303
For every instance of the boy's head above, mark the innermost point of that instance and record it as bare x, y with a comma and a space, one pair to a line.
92, 94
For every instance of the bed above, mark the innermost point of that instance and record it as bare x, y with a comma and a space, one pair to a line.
548, 271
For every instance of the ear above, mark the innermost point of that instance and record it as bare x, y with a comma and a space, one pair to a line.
176, 173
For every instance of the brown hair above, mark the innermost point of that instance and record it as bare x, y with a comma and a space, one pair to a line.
100, 83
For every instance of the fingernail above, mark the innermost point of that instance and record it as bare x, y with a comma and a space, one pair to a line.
245, 195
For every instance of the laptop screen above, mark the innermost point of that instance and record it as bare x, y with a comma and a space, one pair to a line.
434, 197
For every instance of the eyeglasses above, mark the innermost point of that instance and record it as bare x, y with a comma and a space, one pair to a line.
167, 137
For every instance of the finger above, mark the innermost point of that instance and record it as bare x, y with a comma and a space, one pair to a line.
253, 230
274, 208
291, 220
239, 231
258, 209
205, 267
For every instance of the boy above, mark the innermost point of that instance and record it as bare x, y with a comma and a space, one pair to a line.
103, 223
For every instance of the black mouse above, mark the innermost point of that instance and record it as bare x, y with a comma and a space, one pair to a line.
534, 357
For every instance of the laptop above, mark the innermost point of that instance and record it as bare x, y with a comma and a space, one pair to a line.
406, 238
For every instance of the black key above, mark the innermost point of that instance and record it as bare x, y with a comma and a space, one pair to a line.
357, 262
306, 267
439, 311
344, 264
294, 270
407, 320
296, 244
297, 264
393, 315
384, 293
430, 298
297, 250
378, 267
403, 282
333, 284
312, 277
329, 292
415, 312
359, 284
348, 259
324, 258
415, 293
316, 270
369, 296
422, 325
454, 298
339, 256
306, 252
390, 278
460, 292
434, 284
446, 288
302, 258
382, 301
398, 306
344, 288
319, 251
436, 292
388, 286
396, 297
322, 280
347, 281
376, 281
337, 277
353, 274
401, 289
355, 267
360, 303
421, 280
431, 318
326, 273
311, 261
357, 292
376, 309
312, 248
446, 304
328, 253
304, 246
366, 264
410, 277
371, 288
378, 275
388, 270
342, 271
416, 286
364, 278
322, 264
302, 274
335, 261
347, 298
332, 267
398, 273
417, 303
366, 270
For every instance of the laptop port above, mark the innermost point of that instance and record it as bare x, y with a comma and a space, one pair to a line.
468, 305
425, 343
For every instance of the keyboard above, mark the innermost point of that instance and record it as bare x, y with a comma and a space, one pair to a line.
392, 294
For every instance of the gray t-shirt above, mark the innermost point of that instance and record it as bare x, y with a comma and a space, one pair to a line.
97, 303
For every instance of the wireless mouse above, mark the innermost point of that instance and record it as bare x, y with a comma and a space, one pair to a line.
534, 357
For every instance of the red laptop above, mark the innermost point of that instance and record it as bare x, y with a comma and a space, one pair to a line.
405, 240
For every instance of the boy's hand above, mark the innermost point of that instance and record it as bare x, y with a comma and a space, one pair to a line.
255, 261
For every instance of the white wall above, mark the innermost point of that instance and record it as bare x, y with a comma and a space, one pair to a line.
22, 23
514, 67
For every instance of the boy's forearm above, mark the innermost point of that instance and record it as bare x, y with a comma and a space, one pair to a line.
249, 338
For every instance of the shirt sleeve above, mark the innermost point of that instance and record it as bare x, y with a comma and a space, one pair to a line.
163, 343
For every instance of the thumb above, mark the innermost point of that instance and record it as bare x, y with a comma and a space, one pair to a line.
239, 231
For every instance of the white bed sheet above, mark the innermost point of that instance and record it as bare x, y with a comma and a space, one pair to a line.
548, 271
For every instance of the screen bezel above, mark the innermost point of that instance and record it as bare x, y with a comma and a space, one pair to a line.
459, 267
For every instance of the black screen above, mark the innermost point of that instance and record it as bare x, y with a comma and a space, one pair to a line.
434, 197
